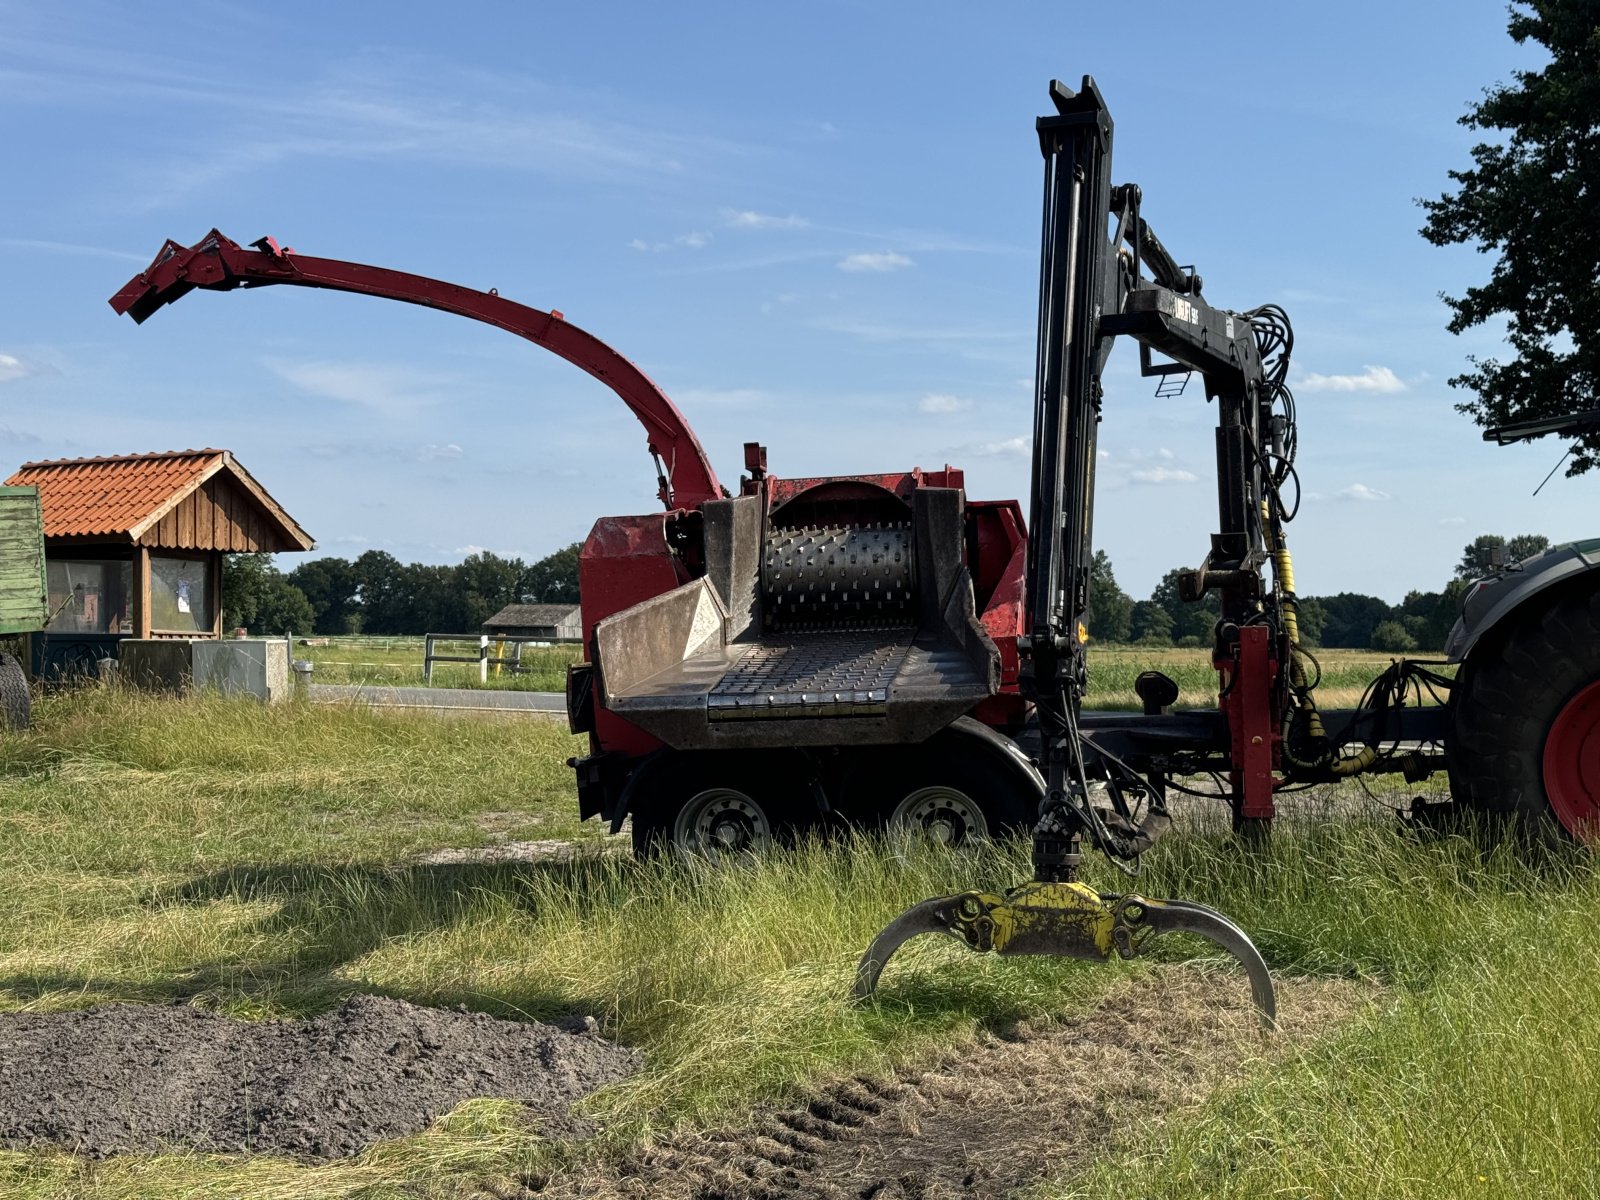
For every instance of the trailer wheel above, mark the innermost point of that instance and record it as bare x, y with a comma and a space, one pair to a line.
1525, 735
720, 805
951, 790
16, 701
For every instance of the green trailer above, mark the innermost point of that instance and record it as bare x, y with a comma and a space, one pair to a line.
24, 599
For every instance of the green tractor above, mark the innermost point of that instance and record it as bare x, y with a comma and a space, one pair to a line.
24, 602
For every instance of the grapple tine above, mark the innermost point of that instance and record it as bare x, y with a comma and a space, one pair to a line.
1184, 916
1069, 920
925, 917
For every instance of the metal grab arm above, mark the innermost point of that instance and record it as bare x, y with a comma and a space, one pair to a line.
1067, 920
218, 263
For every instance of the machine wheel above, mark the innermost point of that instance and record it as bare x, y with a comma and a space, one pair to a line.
720, 805
951, 789
16, 701
1525, 735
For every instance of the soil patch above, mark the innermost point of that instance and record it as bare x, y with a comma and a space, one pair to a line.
136, 1077
993, 1118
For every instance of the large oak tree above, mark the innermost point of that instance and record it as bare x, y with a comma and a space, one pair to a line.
1532, 197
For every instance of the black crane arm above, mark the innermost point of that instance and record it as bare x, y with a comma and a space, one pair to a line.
1096, 247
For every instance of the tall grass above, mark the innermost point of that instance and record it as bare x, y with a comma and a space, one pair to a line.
258, 861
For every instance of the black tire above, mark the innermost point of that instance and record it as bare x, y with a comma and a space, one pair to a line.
16, 701
721, 805
954, 788
1517, 699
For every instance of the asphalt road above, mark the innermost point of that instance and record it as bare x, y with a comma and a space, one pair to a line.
462, 699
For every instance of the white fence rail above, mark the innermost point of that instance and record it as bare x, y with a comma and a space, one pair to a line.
499, 660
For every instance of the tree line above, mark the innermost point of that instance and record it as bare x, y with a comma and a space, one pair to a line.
1351, 620
378, 594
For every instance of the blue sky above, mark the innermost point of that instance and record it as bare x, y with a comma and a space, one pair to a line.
814, 225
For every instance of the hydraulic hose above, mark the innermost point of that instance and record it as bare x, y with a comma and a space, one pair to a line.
1283, 572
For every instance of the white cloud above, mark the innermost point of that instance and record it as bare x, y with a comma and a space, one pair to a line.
436, 453
391, 391
1452, 521
1360, 491
694, 240
13, 368
1371, 379
49, 247
1016, 447
943, 402
472, 548
1161, 475
749, 219
880, 260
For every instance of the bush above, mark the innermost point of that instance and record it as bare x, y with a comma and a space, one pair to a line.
1391, 635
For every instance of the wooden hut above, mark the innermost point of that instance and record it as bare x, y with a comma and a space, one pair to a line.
551, 622
134, 546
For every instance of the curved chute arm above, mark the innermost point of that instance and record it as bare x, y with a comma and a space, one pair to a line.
218, 263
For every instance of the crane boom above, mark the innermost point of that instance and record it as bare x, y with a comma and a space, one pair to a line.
218, 263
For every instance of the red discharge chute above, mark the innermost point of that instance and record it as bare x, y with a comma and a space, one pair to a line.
218, 263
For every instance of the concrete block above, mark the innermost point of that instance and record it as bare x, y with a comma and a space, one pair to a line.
240, 666
156, 664
244, 666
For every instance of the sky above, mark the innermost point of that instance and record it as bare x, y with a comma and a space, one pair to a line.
813, 225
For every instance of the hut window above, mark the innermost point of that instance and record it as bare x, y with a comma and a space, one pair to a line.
180, 595
89, 595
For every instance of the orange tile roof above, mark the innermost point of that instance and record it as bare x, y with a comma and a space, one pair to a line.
121, 495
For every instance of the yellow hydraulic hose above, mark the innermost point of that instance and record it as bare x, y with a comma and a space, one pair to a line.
1283, 570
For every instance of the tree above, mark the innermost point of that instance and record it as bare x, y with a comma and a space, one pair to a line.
487, 583
1351, 619
1477, 558
553, 579
380, 589
1110, 608
1312, 618
1189, 620
1533, 196
1149, 624
331, 586
1392, 636
257, 596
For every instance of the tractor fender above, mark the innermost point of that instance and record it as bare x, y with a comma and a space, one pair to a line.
1491, 601
1004, 751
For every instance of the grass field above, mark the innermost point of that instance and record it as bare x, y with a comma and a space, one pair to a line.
261, 862
1113, 669
398, 661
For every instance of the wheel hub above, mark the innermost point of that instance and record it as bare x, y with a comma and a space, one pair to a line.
719, 823
1572, 765
944, 814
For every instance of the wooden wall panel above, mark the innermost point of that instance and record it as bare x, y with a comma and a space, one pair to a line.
218, 515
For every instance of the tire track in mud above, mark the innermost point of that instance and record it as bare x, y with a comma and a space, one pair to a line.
988, 1119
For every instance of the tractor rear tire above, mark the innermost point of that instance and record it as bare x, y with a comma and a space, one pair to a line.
16, 701
721, 805
951, 789
1525, 721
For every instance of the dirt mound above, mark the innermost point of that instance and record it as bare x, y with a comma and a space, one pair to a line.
991, 1119
135, 1077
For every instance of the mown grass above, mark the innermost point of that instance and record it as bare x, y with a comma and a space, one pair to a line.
398, 662
259, 861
